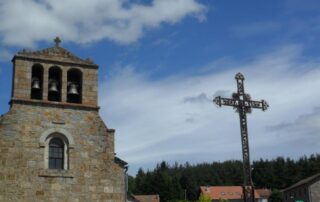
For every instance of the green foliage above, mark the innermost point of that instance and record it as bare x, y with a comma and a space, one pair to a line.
204, 198
276, 196
131, 184
172, 183
223, 200
280, 173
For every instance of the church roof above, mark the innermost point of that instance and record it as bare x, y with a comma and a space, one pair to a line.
54, 54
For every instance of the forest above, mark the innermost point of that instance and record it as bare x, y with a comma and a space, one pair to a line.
178, 182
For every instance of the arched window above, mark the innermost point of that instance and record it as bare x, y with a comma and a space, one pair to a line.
74, 91
57, 143
54, 84
36, 82
56, 154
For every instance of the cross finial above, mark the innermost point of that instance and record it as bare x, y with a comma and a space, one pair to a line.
57, 41
239, 76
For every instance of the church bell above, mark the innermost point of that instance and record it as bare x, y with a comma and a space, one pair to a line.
73, 89
53, 87
35, 83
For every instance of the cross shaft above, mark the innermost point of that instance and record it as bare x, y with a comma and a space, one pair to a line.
243, 104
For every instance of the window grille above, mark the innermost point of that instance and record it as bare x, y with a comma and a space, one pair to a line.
56, 154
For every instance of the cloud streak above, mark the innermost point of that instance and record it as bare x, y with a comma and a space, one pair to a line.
26, 22
256, 28
174, 118
202, 97
308, 124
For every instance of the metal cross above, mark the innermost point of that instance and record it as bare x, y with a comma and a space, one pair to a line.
57, 41
243, 104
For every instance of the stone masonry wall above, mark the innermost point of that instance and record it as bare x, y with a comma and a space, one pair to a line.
92, 173
22, 81
315, 192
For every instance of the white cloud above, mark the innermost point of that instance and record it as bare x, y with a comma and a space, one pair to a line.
307, 124
25, 22
154, 122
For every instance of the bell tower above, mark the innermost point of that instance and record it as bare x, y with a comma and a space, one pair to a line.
54, 76
54, 144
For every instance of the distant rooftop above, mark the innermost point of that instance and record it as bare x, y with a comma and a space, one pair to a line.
225, 192
264, 193
147, 198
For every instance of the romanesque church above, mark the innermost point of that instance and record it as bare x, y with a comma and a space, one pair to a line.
54, 146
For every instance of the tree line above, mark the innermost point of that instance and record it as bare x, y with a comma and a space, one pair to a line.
182, 181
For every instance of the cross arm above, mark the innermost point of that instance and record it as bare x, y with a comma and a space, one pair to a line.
226, 101
257, 104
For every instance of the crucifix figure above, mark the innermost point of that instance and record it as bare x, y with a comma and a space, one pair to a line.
243, 104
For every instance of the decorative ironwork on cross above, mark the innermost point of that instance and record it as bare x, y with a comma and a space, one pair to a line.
57, 41
243, 104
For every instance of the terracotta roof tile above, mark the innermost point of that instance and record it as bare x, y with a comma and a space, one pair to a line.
147, 198
264, 193
225, 192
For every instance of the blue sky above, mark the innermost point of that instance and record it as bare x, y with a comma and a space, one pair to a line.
162, 61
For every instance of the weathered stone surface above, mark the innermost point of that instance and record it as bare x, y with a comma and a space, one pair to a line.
91, 174
23, 72
315, 191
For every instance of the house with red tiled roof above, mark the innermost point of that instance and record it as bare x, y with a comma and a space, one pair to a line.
232, 193
264, 194
144, 198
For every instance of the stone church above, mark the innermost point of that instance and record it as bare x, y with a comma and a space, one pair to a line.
54, 146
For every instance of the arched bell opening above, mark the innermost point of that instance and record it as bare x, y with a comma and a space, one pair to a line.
54, 84
37, 82
74, 91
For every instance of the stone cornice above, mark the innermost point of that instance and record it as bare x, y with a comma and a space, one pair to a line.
63, 105
53, 61
55, 55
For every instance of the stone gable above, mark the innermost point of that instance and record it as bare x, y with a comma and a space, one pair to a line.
90, 170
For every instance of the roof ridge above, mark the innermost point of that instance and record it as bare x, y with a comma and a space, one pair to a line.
55, 52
